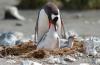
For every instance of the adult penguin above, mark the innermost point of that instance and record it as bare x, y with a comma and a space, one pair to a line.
45, 17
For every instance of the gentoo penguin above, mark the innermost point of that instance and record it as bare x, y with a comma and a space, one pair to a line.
45, 16
67, 43
11, 12
51, 39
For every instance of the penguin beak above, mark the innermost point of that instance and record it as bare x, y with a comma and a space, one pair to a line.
54, 21
55, 26
51, 22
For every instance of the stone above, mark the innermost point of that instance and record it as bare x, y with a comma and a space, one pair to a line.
84, 64
97, 61
70, 59
29, 62
10, 38
56, 60
89, 46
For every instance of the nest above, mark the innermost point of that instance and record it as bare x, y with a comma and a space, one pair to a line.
19, 49
30, 50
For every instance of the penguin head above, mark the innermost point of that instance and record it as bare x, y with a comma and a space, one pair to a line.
52, 12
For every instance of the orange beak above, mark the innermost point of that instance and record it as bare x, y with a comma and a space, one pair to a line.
49, 24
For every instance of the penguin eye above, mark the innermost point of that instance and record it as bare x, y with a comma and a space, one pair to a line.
55, 13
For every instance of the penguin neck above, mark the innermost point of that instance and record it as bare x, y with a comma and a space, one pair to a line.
52, 28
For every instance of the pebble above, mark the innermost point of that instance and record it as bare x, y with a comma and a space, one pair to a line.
84, 64
70, 59
29, 62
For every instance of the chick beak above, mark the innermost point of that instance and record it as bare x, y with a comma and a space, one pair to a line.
55, 26
55, 22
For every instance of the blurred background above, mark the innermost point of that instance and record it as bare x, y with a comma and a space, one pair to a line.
62, 4
81, 16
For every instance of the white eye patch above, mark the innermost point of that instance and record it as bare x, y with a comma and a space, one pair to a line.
53, 16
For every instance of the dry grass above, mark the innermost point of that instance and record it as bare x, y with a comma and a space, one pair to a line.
29, 50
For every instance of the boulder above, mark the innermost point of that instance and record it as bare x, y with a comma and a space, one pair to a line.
10, 38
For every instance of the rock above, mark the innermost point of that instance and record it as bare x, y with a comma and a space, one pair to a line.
11, 61
36, 63
78, 54
53, 60
80, 39
84, 64
10, 38
97, 61
89, 46
25, 40
11, 12
29, 62
19, 35
69, 58
28, 38
26, 62
56, 60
